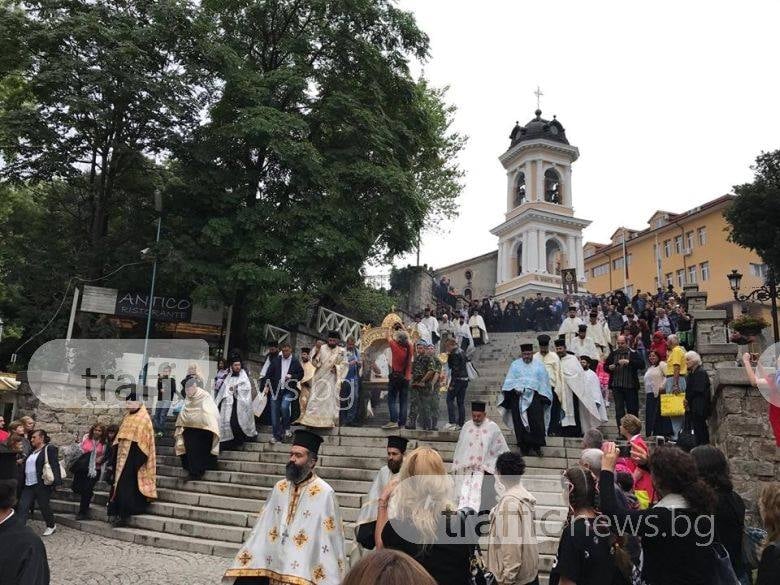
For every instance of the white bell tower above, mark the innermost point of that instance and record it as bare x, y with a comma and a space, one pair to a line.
540, 235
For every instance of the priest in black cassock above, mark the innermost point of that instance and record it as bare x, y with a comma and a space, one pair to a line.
22, 554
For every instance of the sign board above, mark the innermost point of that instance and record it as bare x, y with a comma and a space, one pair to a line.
133, 304
110, 301
569, 281
99, 299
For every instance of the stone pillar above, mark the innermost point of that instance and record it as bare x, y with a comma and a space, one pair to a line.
567, 192
524, 253
500, 262
542, 251
740, 428
509, 259
580, 258
539, 180
510, 191
571, 252
532, 252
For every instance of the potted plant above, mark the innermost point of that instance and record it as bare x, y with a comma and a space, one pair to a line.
748, 326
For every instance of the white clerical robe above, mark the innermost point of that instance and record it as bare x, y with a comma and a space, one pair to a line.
424, 332
588, 418
585, 346
599, 333
298, 538
552, 363
575, 385
370, 509
236, 388
322, 410
569, 328
477, 323
475, 454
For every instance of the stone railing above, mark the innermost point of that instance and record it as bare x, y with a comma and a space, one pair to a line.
740, 428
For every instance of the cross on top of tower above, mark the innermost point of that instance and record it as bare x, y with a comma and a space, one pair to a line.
538, 93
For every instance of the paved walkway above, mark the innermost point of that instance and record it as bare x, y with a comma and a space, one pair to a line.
80, 558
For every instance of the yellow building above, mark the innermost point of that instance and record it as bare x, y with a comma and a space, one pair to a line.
678, 249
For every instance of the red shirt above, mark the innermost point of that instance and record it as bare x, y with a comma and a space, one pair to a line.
4, 435
401, 358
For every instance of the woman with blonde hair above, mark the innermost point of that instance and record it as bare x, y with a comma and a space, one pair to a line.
769, 506
415, 517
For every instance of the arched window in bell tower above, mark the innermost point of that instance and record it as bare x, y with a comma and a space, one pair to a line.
520, 189
552, 187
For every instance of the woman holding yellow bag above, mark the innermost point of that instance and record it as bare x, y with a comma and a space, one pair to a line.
676, 373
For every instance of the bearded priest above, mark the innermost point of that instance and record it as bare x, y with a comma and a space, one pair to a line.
524, 401
474, 463
366, 522
298, 537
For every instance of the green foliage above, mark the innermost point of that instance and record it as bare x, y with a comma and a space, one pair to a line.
401, 278
364, 303
748, 323
288, 138
754, 215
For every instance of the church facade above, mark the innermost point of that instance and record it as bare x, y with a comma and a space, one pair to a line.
539, 236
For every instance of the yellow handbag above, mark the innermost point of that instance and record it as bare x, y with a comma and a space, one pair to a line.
673, 404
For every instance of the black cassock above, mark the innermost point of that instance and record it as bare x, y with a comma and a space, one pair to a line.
198, 457
126, 499
22, 555
535, 435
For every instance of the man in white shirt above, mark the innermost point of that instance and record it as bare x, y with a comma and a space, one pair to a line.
599, 333
463, 335
432, 323
422, 329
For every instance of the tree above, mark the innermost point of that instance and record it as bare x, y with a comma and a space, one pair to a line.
754, 214
321, 152
90, 94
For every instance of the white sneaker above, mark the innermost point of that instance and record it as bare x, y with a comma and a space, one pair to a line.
288, 434
49, 531
390, 426
272, 441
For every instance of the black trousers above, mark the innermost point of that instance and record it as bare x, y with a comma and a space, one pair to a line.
535, 435
700, 429
39, 494
554, 429
87, 490
626, 399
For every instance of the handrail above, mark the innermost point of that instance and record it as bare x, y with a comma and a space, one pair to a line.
276, 333
328, 320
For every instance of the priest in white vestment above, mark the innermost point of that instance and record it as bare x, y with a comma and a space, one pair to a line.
584, 345
576, 399
423, 331
432, 323
592, 387
552, 363
234, 400
599, 333
305, 384
298, 538
478, 329
365, 526
322, 410
570, 326
474, 462
463, 336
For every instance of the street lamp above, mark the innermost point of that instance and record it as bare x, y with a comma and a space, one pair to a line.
767, 292
150, 306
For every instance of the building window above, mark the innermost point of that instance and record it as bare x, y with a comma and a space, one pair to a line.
705, 271
628, 259
669, 277
678, 244
702, 236
667, 248
552, 186
758, 270
468, 275
520, 189
617, 263
681, 278
689, 241
692, 274
601, 270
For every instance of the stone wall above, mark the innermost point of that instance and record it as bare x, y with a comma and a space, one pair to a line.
421, 293
740, 428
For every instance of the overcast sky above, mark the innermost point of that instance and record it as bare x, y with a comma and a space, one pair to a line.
669, 103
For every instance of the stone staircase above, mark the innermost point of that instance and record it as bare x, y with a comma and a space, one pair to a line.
215, 515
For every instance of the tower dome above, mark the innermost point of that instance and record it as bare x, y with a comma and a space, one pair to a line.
538, 129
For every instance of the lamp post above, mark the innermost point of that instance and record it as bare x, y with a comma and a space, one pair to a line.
767, 292
144, 368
